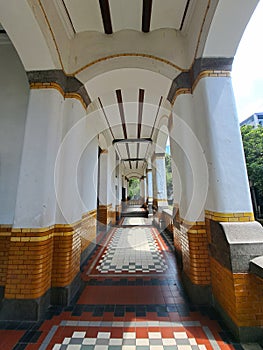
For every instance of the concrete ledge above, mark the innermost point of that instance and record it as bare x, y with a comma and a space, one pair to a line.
242, 334
24, 309
198, 294
234, 244
256, 266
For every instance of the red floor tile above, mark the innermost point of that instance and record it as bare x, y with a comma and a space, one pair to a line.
8, 338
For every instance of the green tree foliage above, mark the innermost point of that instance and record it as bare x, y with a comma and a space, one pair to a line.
134, 188
253, 147
169, 178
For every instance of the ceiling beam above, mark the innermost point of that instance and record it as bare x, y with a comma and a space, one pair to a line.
68, 15
106, 16
133, 160
140, 109
184, 15
121, 110
146, 15
139, 140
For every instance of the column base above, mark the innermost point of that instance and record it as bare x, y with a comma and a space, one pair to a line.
35, 309
150, 209
242, 334
85, 254
24, 309
198, 294
64, 295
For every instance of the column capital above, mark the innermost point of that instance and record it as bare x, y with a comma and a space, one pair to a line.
202, 67
104, 151
159, 155
69, 86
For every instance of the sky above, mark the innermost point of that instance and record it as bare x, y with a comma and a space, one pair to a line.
247, 70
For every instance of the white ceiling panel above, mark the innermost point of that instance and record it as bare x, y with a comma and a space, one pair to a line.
167, 14
85, 15
133, 165
143, 149
149, 111
117, 131
123, 151
126, 14
133, 150
146, 131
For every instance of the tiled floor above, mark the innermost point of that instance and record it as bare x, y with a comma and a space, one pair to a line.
132, 250
136, 221
132, 300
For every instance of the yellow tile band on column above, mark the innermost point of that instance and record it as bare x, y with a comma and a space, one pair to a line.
229, 217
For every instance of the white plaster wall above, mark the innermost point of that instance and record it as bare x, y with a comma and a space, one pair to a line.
13, 107
36, 202
219, 134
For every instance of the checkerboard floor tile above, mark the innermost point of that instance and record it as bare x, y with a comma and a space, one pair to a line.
136, 221
132, 250
128, 341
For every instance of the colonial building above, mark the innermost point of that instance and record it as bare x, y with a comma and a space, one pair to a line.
90, 92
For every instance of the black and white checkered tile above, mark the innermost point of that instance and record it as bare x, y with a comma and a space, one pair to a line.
103, 341
132, 250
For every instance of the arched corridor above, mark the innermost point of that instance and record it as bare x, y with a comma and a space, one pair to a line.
90, 93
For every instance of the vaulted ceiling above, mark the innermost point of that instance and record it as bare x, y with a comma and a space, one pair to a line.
109, 16
126, 52
131, 103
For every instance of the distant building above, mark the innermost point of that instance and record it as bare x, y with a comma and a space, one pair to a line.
254, 120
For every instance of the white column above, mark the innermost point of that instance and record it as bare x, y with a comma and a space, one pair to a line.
160, 176
190, 176
228, 190
103, 180
75, 182
142, 188
36, 200
145, 187
149, 188
154, 182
